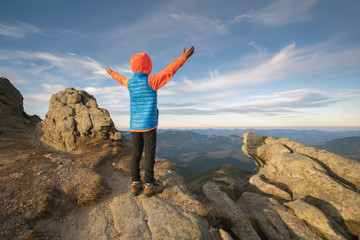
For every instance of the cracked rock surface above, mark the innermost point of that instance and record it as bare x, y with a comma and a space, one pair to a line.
72, 114
320, 180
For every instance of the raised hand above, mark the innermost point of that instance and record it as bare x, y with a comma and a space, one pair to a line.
109, 71
189, 52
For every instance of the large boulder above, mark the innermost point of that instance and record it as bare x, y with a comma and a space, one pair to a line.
318, 220
73, 113
241, 225
325, 180
273, 218
167, 221
11, 105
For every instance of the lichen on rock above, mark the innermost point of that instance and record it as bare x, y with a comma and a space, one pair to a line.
331, 182
72, 114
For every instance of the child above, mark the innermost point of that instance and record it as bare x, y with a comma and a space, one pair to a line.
144, 114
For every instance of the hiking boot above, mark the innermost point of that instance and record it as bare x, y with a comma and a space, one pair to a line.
136, 188
152, 189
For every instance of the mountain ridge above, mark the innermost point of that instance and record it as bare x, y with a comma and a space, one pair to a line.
348, 147
192, 153
304, 136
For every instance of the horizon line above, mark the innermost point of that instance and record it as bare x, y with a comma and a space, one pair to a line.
297, 128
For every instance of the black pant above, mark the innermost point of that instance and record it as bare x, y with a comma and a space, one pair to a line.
138, 140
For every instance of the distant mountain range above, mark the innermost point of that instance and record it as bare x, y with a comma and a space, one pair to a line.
348, 147
306, 137
199, 150
226, 176
193, 153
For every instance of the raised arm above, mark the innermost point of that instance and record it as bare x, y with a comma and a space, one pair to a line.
159, 80
118, 77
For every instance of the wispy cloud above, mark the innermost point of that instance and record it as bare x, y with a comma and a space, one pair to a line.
159, 29
261, 51
65, 31
280, 12
281, 103
229, 92
289, 62
43, 94
76, 66
17, 29
201, 23
114, 92
53, 87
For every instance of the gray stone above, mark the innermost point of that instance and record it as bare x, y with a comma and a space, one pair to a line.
313, 216
84, 123
10, 96
269, 188
129, 218
345, 169
241, 224
330, 180
167, 221
72, 114
273, 219
225, 235
11, 105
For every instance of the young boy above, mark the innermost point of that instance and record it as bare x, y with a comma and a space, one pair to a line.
144, 114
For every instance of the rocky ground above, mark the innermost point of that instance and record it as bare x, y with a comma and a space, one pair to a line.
78, 187
319, 188
67, 177
48, 194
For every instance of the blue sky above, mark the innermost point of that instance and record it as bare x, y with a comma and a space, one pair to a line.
259, 63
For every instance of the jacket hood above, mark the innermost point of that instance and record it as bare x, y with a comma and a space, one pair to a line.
141, 62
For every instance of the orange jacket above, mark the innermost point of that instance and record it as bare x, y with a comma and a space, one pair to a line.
141, 62
145, 117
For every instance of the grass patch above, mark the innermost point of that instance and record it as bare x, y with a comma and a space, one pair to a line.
33, 235
43, 208
92, 191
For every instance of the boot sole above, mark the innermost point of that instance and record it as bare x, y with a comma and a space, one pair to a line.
153, 193
148, 195
135, 193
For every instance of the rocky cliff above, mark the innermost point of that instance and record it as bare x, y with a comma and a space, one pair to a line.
11, 105
303, 189
73, 182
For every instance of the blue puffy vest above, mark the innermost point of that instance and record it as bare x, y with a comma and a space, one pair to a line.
143, 103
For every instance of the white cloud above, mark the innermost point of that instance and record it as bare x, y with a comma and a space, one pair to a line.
126, 69
81, 67
53, 88
279, 13
42, 96
244, 16
116, 97
261, 51
106, 91
201, 23
65, 31
289, 62
161, 28
290, 102
18, 29
35, 99
228, 92
12, 74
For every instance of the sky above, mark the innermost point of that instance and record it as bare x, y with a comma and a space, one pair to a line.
258, 63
